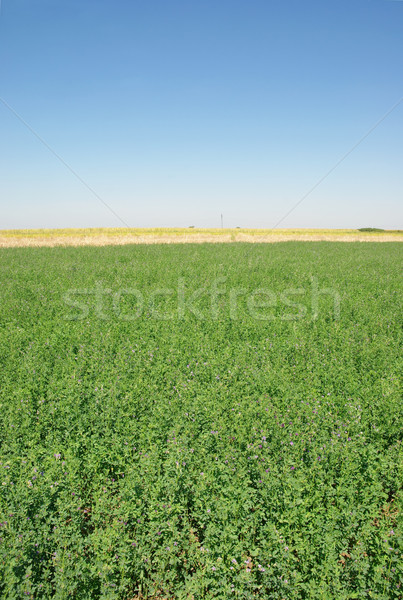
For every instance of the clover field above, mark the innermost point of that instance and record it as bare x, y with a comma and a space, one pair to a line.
204, 421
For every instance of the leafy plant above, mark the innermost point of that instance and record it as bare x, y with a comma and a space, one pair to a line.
211, 456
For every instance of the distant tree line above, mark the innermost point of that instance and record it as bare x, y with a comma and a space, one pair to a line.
370, 229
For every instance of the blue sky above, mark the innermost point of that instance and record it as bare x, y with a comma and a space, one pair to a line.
175, 111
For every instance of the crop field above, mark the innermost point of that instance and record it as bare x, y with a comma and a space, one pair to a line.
207, 421
180, 235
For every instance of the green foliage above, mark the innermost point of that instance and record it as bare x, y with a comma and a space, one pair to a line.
371, 229
212, 457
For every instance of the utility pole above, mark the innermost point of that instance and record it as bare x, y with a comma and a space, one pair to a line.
222, 222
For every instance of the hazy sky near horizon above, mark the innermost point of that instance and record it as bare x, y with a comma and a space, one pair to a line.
175, 111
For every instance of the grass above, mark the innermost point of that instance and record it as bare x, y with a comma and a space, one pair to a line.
200, 422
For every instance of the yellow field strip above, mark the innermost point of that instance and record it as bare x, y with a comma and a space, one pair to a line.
114, 236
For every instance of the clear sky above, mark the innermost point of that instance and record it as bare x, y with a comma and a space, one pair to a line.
175, 111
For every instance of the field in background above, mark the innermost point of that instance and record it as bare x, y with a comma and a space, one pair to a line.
201, 422
120, 236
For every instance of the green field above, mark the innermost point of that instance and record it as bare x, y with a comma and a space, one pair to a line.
201, 421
